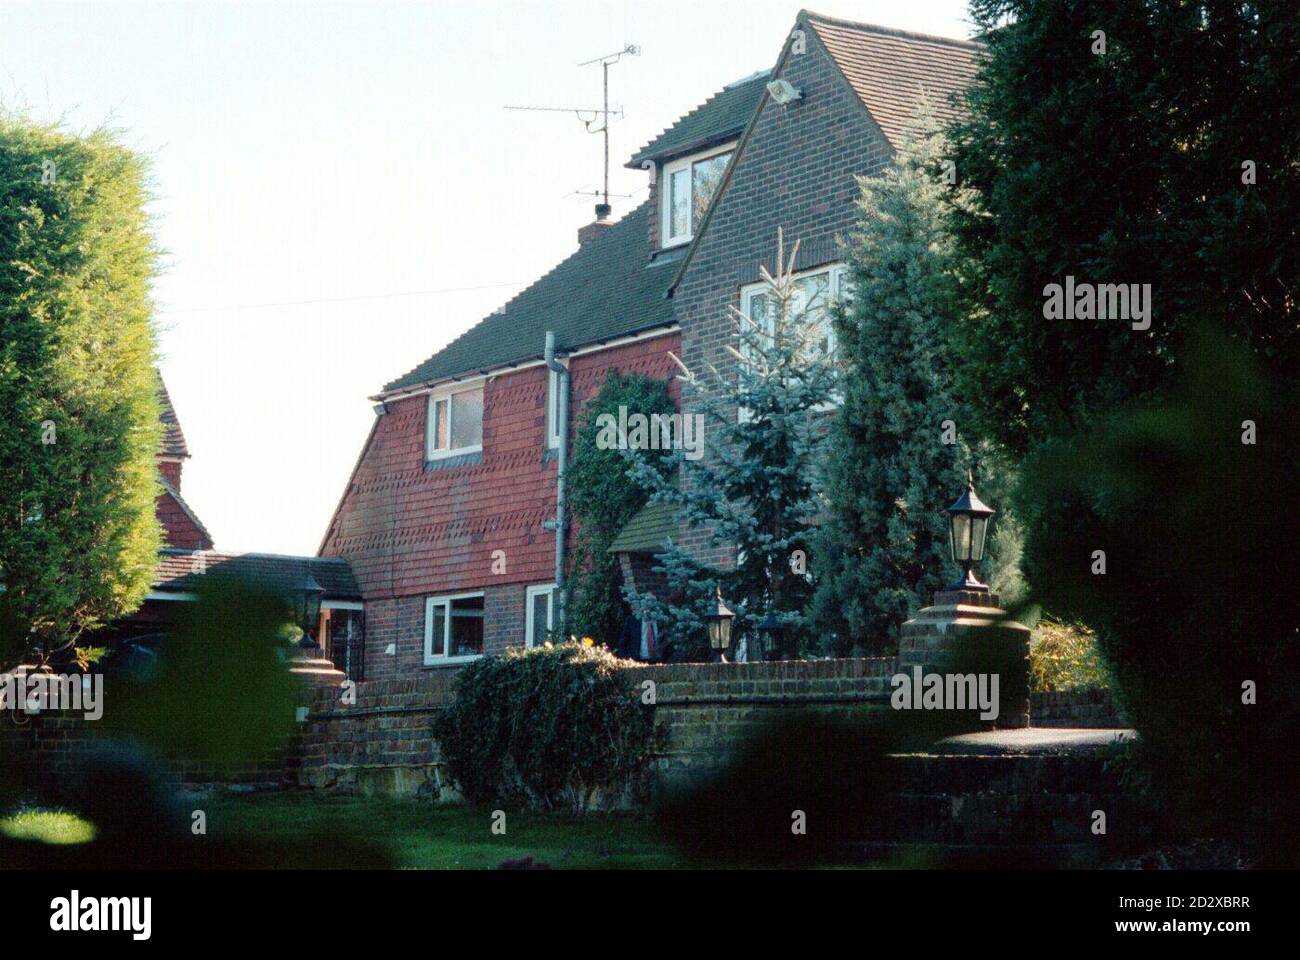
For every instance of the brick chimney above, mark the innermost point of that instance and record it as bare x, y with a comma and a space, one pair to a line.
597, 226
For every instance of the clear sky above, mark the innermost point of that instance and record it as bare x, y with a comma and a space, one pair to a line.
340, 192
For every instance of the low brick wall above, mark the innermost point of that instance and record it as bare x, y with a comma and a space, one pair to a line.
707, 708
383, 743
1088, 707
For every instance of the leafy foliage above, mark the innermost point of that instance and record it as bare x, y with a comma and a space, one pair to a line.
883, 549
1125, 167
755, 489
1064, 656
79, 424
550, 727
604, 498
1133, 166
1195, 614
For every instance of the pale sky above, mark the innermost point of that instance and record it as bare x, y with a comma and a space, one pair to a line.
341, 193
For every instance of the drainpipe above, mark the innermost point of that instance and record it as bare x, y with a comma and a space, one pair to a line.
560, 523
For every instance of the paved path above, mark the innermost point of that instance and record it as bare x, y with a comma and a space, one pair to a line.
1032, 741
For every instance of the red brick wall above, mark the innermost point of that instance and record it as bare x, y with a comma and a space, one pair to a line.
411, 532
171, 472
178, 529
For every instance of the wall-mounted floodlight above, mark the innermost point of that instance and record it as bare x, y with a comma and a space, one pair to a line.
783, 92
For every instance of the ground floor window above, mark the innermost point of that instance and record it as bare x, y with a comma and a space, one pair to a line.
540, 614
453, 628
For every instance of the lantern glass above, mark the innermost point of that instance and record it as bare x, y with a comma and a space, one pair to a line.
720, 633
959, 532
978, 528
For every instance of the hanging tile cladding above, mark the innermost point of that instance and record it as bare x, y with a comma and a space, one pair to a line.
408, 530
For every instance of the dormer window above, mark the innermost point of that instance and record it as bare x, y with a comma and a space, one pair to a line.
688, 186
455, 423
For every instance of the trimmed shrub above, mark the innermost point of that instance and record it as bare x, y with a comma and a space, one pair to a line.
554, 727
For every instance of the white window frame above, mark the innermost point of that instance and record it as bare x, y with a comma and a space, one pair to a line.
552, 409
444, 395
531, 639
838, 276
666, 194
430, 659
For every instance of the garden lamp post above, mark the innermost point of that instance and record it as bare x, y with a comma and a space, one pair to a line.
968, 524
772, 630
306, 608
719, 620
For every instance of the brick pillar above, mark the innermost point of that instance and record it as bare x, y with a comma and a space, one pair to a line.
965, 631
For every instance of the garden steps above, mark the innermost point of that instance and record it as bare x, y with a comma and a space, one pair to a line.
997, 790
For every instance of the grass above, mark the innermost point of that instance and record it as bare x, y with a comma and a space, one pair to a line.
47, 826
421, 835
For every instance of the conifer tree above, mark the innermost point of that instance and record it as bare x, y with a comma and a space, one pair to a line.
899, 447
755, 488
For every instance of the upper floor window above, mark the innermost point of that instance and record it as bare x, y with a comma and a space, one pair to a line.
815, 293
552, 409
688, 186
455, 422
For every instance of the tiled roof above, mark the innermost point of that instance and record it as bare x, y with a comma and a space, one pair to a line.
173, 444
889, 70
183, 570
607, 289
723, 115
648, 531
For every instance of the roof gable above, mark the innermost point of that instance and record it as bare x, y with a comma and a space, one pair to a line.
873, 62
892, 70
607, 289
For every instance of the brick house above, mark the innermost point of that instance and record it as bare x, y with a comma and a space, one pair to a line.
444, 517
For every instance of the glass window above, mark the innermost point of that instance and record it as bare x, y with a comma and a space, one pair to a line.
679, 187
540, 614
467, 419
811, 305
689, 186
706, 175
453, 627
455, 422
552, 409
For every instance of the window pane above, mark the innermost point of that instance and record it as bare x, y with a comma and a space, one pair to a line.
679, 203
467, 627
705, 177
438, 614
440, 425
541, 617
810, 307
467, 419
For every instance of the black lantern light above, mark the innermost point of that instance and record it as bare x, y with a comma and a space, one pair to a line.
306, 608
968, 524
772, 631
719, 620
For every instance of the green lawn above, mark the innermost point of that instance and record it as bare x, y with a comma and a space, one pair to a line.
422, 835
